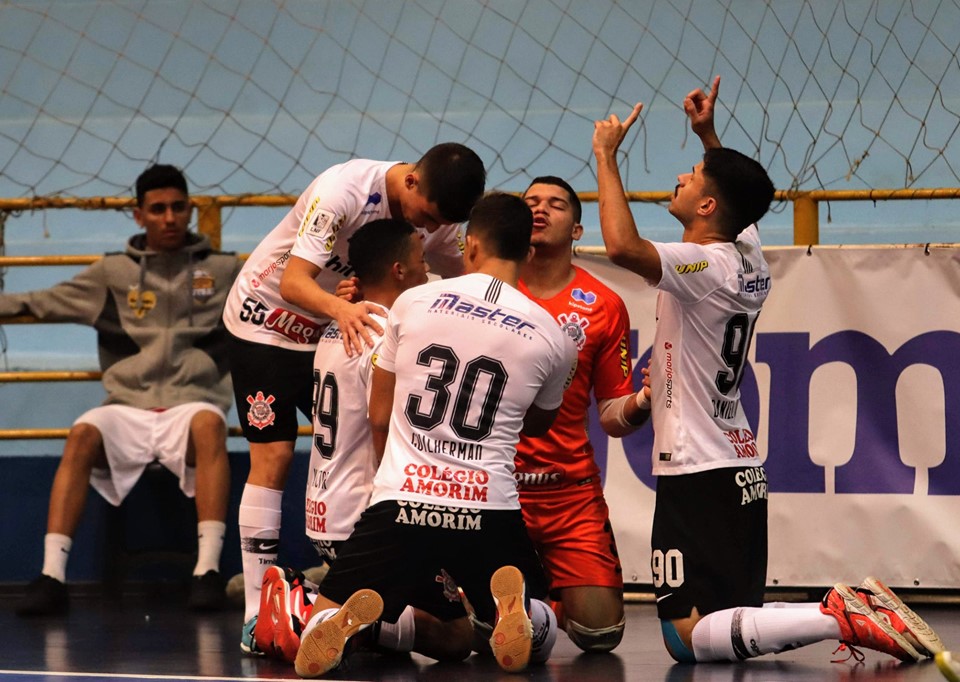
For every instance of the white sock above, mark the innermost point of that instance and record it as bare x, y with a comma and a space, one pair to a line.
56, 551
209, 546
735, 634
544, 631
398, 636
259, 519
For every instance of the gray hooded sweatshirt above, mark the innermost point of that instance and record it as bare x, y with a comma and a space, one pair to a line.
160, 337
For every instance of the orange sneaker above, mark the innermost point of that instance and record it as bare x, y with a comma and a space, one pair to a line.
861, 626
321, 647
263, 630
513, 634
289, 611
284, 609
903, 619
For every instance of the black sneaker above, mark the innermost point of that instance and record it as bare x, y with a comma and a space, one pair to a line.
207, 592
45, 596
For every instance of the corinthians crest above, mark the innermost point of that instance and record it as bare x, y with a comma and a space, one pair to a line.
575, 327
260, 414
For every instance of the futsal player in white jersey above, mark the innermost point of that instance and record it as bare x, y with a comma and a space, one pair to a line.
283, 299
466, 365
387, 257
709, 541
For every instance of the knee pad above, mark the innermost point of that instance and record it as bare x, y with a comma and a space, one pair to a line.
671, 639
595, 640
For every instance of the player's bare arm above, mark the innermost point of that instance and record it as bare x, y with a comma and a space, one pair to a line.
381, 405
625, 246
299, 287
699, 108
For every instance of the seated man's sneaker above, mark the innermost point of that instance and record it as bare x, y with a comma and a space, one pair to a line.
207, 592
45, 596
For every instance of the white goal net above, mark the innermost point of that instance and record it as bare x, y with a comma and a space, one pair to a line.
255, 97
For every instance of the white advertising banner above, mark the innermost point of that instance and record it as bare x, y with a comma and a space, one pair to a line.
853, 390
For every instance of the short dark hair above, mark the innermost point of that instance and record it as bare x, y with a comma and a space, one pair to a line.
745, 189
376, 246
503, 222
452, 177
160, 176
563, 184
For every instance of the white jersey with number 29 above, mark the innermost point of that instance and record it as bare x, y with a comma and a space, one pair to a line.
710, 297
342, 457
470, 355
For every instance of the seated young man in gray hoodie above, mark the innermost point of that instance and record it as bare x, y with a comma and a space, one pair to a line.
157, 311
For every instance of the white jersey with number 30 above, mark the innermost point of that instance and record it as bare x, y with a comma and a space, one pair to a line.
470, 355
710, 297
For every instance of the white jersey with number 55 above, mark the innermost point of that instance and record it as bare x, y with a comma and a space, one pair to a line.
710, 297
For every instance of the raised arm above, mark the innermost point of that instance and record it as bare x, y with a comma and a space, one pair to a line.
625, 246
699, 108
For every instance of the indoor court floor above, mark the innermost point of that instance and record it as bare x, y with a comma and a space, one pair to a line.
154, 637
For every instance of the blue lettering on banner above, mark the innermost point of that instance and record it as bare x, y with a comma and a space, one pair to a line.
875, 466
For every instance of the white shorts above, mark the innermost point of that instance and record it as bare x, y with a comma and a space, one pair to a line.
133, 438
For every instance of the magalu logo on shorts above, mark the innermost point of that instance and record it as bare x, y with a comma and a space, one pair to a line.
141, 303
575, 327
260, 414
687, 268
295, 327
204, 285
372, 202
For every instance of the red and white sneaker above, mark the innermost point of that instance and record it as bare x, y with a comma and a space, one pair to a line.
860, 626
263, 630
903, 619
284, 609
289, 611
512, 636
321, 648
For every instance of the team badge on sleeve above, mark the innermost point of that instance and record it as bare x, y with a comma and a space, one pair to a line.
260, 414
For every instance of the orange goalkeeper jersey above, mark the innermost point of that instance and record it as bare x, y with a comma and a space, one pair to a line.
595, 317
